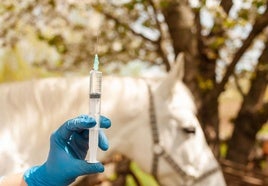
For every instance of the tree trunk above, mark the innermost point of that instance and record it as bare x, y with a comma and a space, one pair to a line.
253, 114
180, 20
185, 31
208, 114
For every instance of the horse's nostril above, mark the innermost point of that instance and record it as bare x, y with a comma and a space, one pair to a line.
189, 130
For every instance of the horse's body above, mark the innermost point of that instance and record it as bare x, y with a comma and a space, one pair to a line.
30, 111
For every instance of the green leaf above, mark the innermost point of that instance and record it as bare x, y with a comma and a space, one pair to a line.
229, 23
164, 4
244, 14
258, 3
145, 178
218, 42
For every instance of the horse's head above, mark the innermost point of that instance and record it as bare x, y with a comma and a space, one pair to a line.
180, 133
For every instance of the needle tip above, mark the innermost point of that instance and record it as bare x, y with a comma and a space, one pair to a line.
96, 62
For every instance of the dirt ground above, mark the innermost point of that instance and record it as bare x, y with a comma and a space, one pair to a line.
228, 109
229, 106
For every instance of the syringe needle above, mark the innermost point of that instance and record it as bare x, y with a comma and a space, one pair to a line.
96, 62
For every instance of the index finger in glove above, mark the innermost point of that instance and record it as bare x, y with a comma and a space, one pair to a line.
105, 122
77, 124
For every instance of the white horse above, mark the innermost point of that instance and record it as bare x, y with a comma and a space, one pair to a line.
160, 126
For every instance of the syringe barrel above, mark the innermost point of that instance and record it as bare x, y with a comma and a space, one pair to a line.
95, 83
95, 92
94, 111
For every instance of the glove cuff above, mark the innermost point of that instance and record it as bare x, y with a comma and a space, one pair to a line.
33, 177
39, 176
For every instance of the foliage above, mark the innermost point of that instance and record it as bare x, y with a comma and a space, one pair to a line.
70, 33
132, 32
144, 178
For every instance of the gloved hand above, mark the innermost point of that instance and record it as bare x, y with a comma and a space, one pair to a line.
68, 149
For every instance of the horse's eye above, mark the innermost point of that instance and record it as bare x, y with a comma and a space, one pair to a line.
189, 130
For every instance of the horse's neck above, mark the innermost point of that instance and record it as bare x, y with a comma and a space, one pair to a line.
47, 103
32, 110
125, 101
123, 98
42, 102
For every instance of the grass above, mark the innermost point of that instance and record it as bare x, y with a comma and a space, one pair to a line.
144, 178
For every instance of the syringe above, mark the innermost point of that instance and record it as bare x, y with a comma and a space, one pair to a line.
94, 109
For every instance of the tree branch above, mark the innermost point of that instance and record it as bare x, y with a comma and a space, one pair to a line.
226, 5
160, 49
202, 42
239, 88
119, 22
263, 114
258, 27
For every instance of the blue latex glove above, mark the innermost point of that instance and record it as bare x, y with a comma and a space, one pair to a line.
68, 149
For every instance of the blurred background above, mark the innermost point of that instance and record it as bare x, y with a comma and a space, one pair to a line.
224, 42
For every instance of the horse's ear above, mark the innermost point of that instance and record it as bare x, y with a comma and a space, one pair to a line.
176, 74
178, 68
